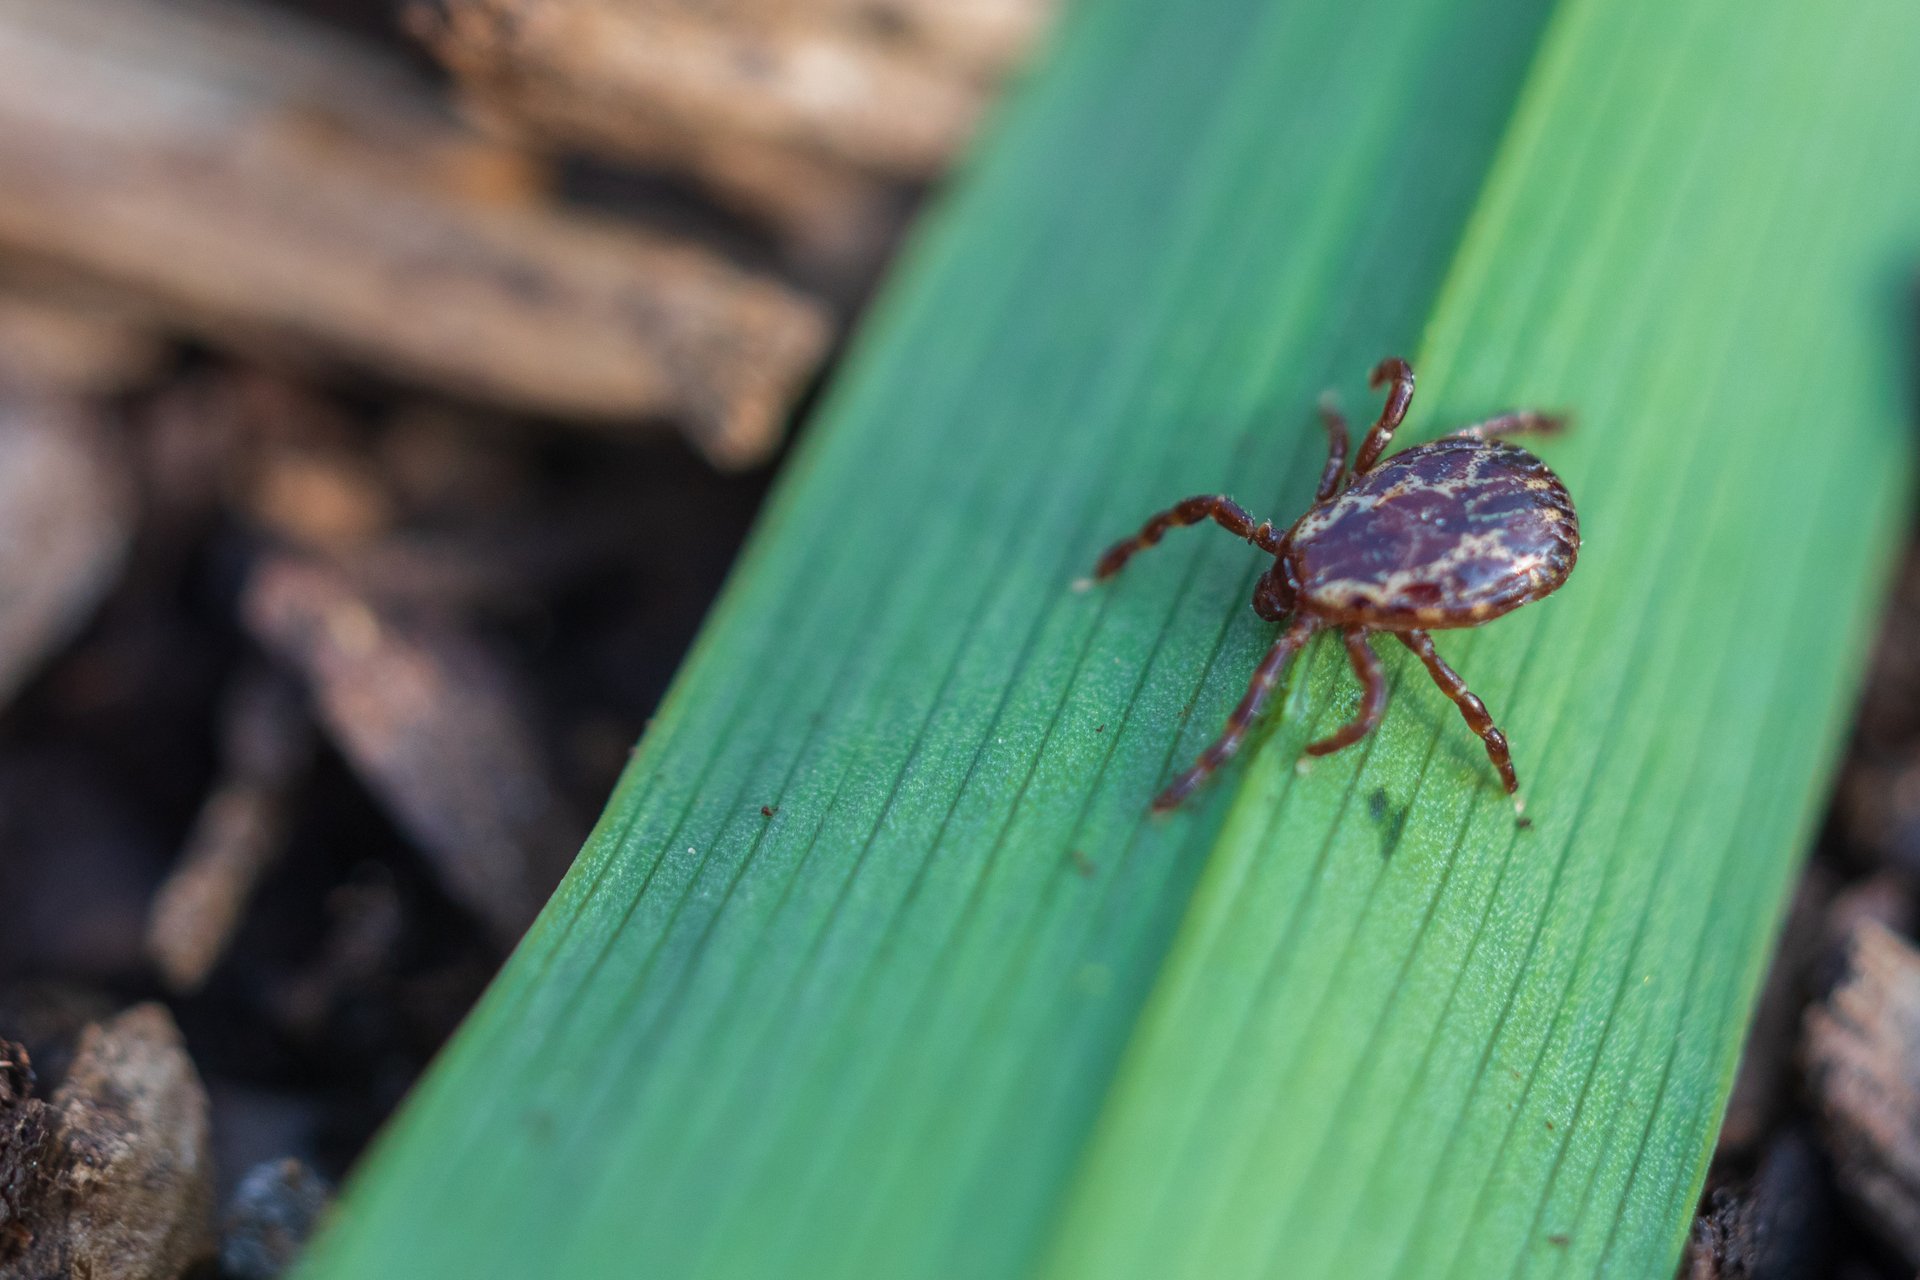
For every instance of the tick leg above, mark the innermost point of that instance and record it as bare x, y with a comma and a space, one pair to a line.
1336, 448
1399, 373
1373, 699
1222, 510
1469, 703
1524, 422
1265, 677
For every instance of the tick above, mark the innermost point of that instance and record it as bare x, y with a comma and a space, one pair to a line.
1448, 534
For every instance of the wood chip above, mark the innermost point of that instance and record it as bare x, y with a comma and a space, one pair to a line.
30, 1160
1777, 1226
980, 39
327, 499
801, 112
140, 1185
798, 85
1863, 1075
271, 187
122, 1183
68, 344
66, 513
435, 728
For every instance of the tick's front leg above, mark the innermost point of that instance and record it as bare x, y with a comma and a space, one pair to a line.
1224, 511
1399, 373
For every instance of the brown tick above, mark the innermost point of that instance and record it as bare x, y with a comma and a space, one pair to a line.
1448, 534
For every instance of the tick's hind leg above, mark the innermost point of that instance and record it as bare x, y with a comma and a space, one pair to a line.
1399, 373
1259, 690
1373, 699
1469, 703
1523, 422
1224, 511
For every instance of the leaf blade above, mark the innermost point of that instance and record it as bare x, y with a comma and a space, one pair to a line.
872, 1033
1558, 975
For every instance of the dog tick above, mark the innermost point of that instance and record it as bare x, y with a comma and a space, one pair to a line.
1448, 534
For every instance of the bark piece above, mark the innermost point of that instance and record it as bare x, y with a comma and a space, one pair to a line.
66, 513
794, 83
121, 1181
803, 112
1863, 1073
269, 186
66, 344
29, 1160
981, 38
239, 833
45, 1018
139, 1179
1775, 1227
1885, 898
435, 728
834, 221
327, 500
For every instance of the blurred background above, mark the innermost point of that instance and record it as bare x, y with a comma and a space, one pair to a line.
385, 389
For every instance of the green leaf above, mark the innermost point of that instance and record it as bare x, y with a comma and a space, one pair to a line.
958, 1007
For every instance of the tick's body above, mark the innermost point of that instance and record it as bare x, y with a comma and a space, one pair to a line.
1448, 534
